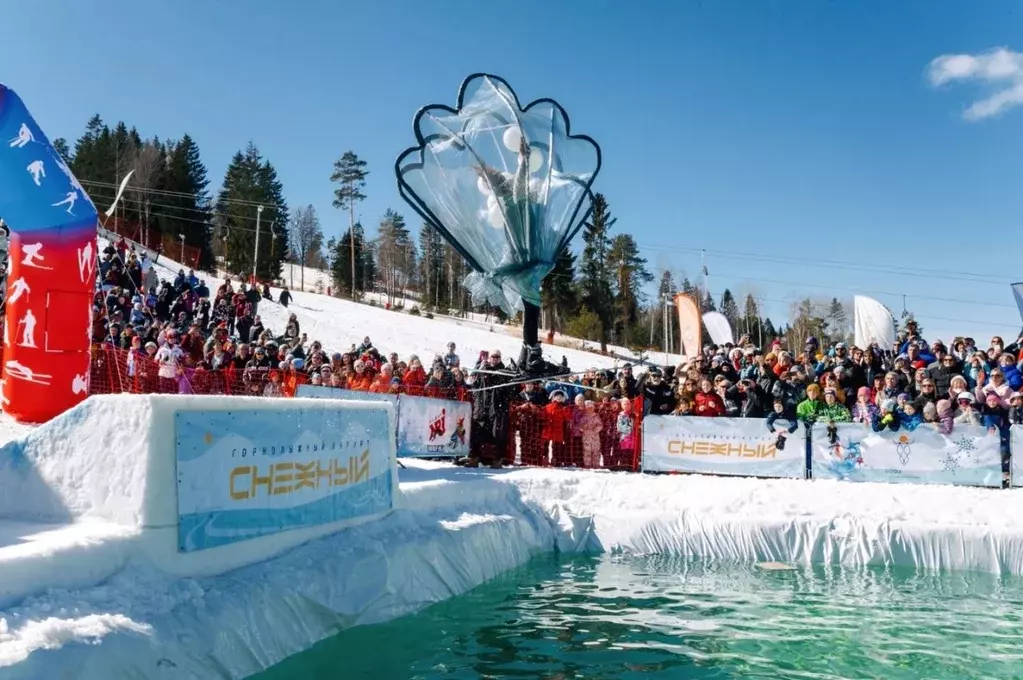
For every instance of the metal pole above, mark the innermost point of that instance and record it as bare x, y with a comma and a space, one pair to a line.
182, 237
255, 252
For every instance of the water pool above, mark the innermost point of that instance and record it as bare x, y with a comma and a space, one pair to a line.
658, 617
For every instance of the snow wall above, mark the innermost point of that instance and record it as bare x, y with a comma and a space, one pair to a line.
110, 565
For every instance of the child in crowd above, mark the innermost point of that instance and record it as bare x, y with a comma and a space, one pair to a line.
945, 416
556, 417
864, 410
589, 430
779, 414
911, 418
967, 414
1016, 409
626, 435
888, 417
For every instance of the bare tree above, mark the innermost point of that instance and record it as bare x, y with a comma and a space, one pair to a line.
147, 164
305, 239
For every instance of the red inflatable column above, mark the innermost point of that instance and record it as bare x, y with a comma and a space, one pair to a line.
52, 272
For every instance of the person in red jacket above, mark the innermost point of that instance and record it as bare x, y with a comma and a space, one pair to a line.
415, 378
556, 417
708, 402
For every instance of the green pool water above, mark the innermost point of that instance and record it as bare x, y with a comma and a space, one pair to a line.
656, 617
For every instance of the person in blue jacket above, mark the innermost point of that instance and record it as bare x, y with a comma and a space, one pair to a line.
887, 418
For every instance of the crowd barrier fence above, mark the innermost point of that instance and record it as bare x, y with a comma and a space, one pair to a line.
439, 423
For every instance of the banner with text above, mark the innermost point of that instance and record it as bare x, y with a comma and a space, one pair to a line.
723, 446
1016, 446
969, 456
324, 392
434, 427
244, 474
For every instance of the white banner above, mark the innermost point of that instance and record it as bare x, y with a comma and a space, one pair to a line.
722, 446
433, 427
969, 456
1016, 447
325, 392
243, 474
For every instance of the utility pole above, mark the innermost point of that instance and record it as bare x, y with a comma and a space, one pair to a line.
255, 253
182, 237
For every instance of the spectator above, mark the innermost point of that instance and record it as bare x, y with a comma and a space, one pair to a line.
658, 397
832, 410
285, 297
809, 409
707, 402
451, 360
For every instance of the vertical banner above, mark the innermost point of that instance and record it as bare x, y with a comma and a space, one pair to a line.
47, 329
1017, 293
969, 456
245, 474
434, 427
722, 446
690, 332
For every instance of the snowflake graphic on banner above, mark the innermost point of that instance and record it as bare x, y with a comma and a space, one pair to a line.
951, 462
966, 445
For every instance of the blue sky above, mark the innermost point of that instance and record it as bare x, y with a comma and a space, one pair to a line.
801, 143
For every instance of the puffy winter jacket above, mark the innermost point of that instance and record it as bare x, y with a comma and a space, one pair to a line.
709, 404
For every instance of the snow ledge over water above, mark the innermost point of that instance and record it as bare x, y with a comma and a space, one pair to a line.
458, 528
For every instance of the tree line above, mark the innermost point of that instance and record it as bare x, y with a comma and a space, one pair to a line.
600, 295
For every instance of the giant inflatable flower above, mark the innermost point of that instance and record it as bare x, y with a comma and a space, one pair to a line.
508, 186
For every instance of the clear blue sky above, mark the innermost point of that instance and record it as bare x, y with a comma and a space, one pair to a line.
774, 129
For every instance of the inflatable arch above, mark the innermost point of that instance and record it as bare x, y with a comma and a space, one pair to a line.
52, 271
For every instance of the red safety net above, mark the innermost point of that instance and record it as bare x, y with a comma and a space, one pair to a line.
569, 436
117, 371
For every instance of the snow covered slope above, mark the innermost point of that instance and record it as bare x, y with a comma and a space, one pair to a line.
338, 324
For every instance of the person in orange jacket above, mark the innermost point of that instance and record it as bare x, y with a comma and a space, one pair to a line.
362, 379
382, 383
556, 417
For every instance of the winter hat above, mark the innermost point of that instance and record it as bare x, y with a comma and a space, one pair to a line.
992, 399
298, 363
944, 407
904, 396
863, 392
888, 405
558, 393
967, 397
1016, 395
831, 391
930, 410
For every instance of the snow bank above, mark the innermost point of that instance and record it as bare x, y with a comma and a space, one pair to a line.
109, 571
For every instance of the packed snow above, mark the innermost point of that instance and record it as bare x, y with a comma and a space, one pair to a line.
82, 586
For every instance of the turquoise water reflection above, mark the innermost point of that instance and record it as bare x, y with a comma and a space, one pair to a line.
659, 617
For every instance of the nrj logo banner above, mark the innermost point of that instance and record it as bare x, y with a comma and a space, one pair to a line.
968, 456
723, 446
434, 427
243, 474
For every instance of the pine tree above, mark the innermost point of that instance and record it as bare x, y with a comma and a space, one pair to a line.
837, 319
365, 270
94, 159
630, 274
558, 293
730, 310
707, 303
752, 324
595, 276
350, 174
60, 145
396, 254
250, 182
185, 208
432, 275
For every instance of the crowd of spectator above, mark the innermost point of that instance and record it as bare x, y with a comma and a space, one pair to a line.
177, 337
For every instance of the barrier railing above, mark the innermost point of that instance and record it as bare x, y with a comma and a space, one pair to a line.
439, 423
